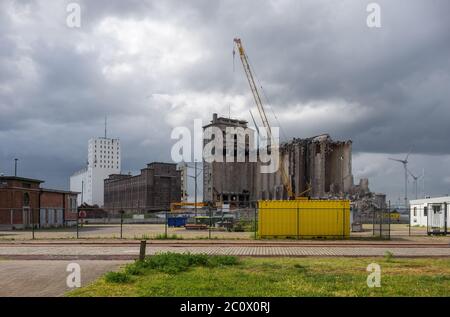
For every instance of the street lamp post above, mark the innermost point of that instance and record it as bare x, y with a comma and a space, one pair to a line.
15, 167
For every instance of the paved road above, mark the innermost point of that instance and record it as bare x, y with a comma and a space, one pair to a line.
46, 278
68, 252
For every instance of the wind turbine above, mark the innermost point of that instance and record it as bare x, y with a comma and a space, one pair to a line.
415, 178
405, 167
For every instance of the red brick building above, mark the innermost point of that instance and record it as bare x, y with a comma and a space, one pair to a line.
23, 202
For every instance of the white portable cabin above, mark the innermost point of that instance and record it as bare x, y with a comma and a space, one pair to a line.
430, 212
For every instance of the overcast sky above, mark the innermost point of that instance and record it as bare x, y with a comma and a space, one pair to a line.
153, 65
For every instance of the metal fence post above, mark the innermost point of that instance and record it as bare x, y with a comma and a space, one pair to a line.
445, 218
389, 214
32, 223
409, 213
165, 227
210, 222
121, 224
343, 223
255, 222
298, 223
373, 222
78, 219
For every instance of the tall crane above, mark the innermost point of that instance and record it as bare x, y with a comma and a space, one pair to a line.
262, 112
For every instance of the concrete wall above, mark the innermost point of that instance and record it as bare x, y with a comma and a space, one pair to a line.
230, 182
319, 162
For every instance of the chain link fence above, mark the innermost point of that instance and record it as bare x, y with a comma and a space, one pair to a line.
206, 223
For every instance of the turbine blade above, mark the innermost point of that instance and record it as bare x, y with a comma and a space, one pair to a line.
406, 159
410, 173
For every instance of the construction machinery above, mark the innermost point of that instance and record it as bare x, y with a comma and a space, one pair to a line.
262, 113
181, 206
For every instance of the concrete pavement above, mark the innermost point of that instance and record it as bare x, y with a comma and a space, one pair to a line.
131, 251
46, 278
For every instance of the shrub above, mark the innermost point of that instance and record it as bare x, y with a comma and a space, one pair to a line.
173, 263
244, 226
163, 236
137, 268
117, 277
388, 256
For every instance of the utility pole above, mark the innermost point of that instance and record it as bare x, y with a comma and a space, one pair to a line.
195, 178
15, 167
82, 191
406, 186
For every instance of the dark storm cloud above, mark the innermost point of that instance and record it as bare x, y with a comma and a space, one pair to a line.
152, 65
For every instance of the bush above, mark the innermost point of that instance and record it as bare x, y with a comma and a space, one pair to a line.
388, 256
244, 226
163, 236
137, 268
170, 263
117, 277
173, 263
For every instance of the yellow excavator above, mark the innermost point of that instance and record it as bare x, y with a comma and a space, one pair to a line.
262, 113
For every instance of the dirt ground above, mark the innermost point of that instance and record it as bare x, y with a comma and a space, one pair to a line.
399, 232
129, 231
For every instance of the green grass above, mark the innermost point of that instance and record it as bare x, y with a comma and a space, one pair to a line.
200, 275
163, 236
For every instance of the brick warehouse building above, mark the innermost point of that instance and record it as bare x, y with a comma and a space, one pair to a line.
154, 189
23, 202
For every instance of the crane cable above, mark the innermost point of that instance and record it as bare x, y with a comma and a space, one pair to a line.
265, 97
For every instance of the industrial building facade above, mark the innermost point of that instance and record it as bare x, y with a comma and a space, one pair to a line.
229, 182
104, 159
154, 189
24, 203
318, 167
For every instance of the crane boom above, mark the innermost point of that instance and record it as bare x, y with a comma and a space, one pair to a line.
262, 112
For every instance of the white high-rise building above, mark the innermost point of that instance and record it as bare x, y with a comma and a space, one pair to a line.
104, 159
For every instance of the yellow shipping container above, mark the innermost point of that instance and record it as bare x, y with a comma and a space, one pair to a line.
304, 218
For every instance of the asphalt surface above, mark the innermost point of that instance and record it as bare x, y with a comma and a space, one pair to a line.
37, 278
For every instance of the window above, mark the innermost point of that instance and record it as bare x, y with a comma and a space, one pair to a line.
436, 209
425, 211
415, 211
26, 199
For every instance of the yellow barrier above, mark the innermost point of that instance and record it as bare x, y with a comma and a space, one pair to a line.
304, 218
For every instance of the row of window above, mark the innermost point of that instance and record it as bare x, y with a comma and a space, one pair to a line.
107, 156
109, 147
109, 152
435, 208
106, 166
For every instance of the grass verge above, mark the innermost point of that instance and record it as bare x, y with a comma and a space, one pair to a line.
201, 275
